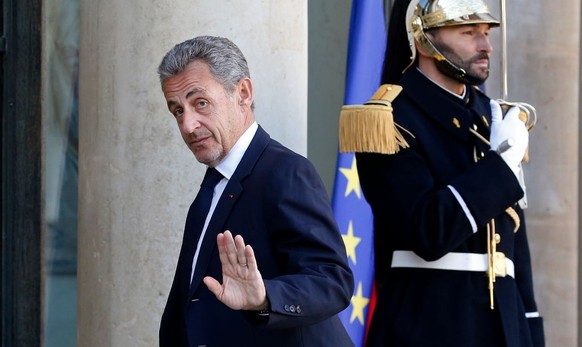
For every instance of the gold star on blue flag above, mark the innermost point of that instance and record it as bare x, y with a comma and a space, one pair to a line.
351, 241
351, 175
359, 303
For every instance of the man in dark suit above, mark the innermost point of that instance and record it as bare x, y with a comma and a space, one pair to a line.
284, 277
452, 258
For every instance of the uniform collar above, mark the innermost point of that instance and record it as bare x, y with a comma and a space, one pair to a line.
461, 97
453, 113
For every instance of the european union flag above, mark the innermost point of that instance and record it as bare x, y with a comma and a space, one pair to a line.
366, 48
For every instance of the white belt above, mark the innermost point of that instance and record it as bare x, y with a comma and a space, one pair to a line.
454, 261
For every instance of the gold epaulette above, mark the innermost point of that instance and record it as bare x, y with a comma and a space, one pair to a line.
370, 127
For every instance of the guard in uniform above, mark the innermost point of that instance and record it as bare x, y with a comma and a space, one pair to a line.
451, 251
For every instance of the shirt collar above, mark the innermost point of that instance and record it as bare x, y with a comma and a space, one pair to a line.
227, 166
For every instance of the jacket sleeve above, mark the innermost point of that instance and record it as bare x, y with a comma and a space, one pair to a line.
427, 215
314, 281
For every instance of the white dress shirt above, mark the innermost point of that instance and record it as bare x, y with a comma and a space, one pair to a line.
226, 167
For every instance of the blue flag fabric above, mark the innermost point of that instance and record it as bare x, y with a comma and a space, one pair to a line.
366, 48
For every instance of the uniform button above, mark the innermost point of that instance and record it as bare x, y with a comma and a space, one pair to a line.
298, 309
286, 307
292, 308
497, 238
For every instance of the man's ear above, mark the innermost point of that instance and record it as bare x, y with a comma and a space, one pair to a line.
245, 92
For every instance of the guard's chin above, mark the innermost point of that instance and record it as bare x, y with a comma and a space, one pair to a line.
476, 78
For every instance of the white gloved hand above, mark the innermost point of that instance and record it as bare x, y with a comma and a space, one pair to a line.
509, 136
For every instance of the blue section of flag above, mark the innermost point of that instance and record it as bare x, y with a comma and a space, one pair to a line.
366, 48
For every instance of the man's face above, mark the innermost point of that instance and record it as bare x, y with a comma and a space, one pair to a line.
466, 46
209, 117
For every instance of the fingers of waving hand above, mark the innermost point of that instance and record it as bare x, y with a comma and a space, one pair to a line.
242, 285
235, 256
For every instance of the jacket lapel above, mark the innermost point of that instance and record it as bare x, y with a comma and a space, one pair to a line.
226, 202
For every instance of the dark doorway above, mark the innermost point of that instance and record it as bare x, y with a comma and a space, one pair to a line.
20, 102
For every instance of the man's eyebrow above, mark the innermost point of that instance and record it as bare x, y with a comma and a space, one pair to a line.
194, 91
171, 103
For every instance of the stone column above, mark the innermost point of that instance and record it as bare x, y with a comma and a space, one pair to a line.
136, 176
544, 70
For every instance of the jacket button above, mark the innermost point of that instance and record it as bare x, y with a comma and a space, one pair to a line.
298, 309
286, 307
292, 308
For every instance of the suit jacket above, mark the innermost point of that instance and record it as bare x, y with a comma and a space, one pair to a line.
277, 202
415, 210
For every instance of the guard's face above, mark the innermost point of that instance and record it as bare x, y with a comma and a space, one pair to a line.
466, 46
209, 118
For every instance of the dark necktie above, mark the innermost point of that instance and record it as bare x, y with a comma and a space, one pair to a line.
203, 200
196, 218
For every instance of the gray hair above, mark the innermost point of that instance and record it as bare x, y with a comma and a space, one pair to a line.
225, 60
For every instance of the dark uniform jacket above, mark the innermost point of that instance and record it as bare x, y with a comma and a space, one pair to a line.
411, 195
278, 203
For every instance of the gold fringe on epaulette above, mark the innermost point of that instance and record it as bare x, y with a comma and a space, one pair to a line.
370, 127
